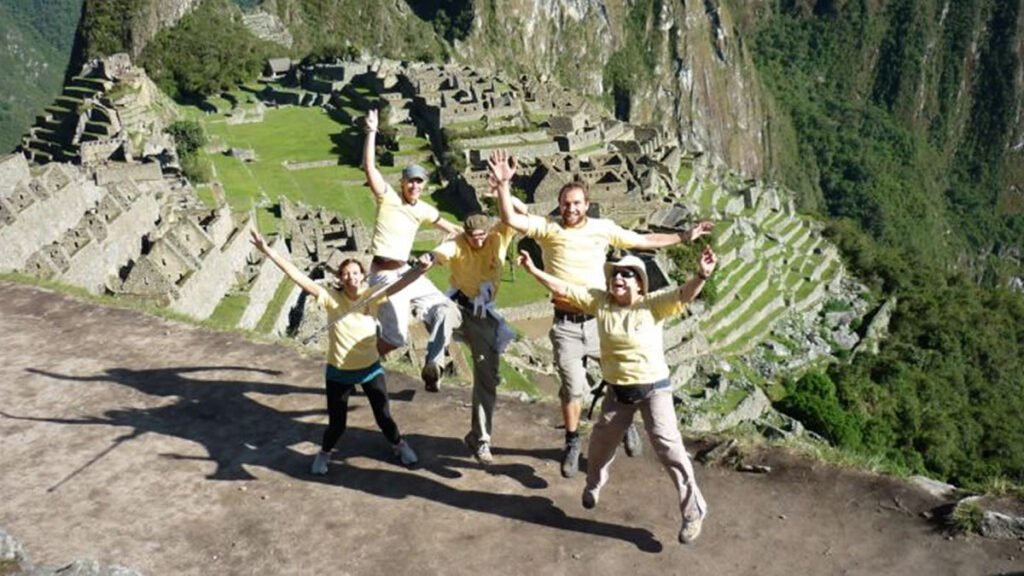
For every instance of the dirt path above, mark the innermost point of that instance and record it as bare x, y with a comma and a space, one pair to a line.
176, 450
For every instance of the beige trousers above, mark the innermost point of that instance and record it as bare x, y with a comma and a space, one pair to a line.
663, 430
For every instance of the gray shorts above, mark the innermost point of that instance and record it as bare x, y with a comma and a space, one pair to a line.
573, 343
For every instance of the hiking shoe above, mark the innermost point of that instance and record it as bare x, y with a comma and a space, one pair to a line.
320, 463
590, 498
431, 376
405, 453
571, 459
483, 453
481, 450
634, 447
690, 530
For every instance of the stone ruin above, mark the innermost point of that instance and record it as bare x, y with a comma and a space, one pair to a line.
110, 111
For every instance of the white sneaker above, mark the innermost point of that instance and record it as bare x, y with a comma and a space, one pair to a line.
405, 453
320, 463
690, 530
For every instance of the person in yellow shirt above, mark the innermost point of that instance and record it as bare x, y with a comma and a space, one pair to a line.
399, 217
630, 327
575, 247
475, 259
352, 356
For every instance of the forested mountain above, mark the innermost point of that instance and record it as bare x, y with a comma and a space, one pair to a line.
37, 38
899, 122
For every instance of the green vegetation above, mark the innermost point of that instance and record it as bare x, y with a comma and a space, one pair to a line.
915, 208
189, 138
208, 51
967, 517
107, 27
37, 44
632, 66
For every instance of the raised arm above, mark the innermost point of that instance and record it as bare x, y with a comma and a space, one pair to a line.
557, 287
377, 183
296, 275
705, 267
502, 168
447, 227
657, 240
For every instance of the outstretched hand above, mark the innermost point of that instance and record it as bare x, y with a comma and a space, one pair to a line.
258, 241
526, 261
372, 121
707, 262
501, 166
701, 229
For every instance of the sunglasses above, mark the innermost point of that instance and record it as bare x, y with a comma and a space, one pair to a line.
624, 273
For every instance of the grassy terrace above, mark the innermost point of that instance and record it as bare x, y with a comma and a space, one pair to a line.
298, 134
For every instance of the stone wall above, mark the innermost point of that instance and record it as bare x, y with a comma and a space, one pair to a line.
203, 290
100, 260
119, 172
263, 287
44, 214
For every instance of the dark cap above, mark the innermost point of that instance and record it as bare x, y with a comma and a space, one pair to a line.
414, 172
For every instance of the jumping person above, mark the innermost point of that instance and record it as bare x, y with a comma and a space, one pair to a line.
399, 216
629, 323
352, 355
574, 249
475, 259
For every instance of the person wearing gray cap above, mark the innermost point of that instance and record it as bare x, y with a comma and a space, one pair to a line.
630, 327
399, 216
574, 248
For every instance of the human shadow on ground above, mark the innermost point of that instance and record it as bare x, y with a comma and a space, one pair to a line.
399, 484
238, 431
234, 429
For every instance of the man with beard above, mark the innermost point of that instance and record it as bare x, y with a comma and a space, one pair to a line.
575, 248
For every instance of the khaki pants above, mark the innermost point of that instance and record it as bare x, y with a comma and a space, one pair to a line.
662, 429
573, 343
480, 333
442, 315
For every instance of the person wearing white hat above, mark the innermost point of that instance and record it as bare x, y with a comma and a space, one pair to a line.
629, 324
574, 249
399, 217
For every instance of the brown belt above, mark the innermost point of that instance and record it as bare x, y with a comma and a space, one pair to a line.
386, 263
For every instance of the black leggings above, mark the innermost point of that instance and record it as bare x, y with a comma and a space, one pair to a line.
376, 391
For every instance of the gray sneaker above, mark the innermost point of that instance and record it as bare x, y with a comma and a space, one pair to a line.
590, 498
405, 453
571, 459
690, 530
320, 463
431, 375
481, 450
631, 440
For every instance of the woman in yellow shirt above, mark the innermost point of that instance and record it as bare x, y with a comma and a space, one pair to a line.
352, 356
629, 326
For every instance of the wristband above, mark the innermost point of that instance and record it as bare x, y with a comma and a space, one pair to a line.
703, 277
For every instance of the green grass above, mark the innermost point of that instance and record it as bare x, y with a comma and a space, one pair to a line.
511, 379
229, 311
685, 173
266, 323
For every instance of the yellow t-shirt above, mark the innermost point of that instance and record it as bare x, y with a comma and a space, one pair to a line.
352, 340
470, 268
577, 255
397, 222
632, 338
